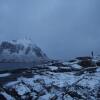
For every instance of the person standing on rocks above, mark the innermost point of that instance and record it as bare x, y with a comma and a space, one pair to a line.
92, 54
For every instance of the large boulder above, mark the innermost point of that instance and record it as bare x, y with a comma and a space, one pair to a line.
87, 63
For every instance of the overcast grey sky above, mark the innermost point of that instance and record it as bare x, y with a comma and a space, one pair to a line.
62, 28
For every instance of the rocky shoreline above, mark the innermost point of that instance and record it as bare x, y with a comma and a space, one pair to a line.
77, 79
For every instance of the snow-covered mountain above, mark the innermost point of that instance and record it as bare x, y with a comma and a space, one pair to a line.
21, 51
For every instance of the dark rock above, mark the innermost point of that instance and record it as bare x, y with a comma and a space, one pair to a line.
75, 94
87, 63
72, 60
84, 58
98, 63
38, 52
2, 97
27, 50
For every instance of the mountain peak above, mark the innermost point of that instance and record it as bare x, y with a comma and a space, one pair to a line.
22, 50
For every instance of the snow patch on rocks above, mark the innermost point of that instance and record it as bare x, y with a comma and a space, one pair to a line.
5, 74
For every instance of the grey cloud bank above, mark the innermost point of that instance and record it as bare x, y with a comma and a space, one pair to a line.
62, 28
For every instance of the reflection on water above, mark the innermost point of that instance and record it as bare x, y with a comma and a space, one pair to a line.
9, 66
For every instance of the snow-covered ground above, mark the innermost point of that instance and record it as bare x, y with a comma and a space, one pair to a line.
55, 83
46, 87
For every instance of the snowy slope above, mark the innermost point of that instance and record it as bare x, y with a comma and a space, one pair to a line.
53, 81
20, 51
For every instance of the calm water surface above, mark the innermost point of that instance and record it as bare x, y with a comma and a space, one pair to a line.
10, 66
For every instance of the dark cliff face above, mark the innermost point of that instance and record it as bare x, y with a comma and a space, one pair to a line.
20, 51
12, 48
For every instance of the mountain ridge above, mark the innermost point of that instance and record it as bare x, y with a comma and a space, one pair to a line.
21, 51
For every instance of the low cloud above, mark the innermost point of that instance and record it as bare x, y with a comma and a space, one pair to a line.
62, 28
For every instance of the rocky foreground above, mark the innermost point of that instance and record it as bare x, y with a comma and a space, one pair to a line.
78, 79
